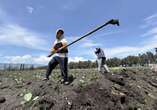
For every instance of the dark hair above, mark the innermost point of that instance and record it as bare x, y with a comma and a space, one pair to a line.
97, 50
61, 31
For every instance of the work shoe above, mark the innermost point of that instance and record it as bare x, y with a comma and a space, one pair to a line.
45, 79
66, 83
62, 81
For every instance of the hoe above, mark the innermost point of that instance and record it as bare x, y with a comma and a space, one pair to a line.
112, 22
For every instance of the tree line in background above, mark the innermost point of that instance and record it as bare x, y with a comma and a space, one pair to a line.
129, 61
140, 60
14, 67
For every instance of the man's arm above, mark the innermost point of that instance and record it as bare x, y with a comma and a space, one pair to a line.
52, 52
58, 47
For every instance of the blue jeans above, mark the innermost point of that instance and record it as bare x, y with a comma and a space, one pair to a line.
63, 63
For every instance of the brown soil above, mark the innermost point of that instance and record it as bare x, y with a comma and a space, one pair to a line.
124, 90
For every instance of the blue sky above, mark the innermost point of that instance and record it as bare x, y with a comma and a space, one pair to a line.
27, 28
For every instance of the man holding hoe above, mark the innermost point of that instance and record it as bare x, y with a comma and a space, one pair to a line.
61, 57
61, 50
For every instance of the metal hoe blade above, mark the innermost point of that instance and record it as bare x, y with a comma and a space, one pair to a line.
114, 22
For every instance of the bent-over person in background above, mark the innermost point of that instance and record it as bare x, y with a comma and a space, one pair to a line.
101, 60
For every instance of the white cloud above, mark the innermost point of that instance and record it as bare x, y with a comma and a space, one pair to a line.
120, 52
71, 5
3, 16
90, 43
124, 51
77, 59
11, 34
14, 34
151, 17
150, 21
151, 41
30, 9
85, 43
147, 44
28, 59
150, 32
107, 33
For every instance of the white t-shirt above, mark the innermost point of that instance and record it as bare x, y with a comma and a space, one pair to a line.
64, 41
